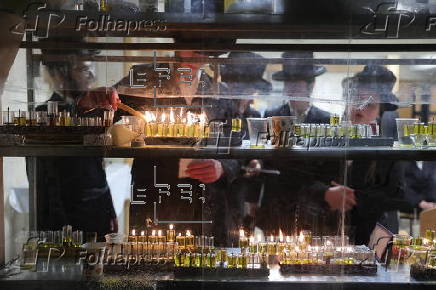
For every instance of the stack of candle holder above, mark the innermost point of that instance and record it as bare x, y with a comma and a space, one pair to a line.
54, 127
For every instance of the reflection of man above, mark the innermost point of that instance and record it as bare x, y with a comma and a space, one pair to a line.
299, 80
216, 174
70, 189
378, 184
301, 197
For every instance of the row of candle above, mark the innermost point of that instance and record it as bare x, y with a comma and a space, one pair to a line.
221, 258
44, 118
192, 125
305, 249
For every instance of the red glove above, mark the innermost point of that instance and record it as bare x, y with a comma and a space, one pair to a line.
106, 98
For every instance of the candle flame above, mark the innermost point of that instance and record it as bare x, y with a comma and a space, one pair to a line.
171, 227
271, 238
301, 237
142, 233
153, 232
163, 117
288, 239
241, 233
202, 118
172, 118
133, 232
190, 118
180, 234
280, 236
159, 232
188, 233
148, 117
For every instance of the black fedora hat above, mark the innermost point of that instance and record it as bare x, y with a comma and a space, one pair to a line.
381, 81
246, 74
298, 67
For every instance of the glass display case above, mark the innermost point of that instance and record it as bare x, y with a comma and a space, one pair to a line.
175, 144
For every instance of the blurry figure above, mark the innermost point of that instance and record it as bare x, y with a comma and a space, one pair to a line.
377, 185
73, 190
216, 175
420, 184
295, 199
245, 80
299, 81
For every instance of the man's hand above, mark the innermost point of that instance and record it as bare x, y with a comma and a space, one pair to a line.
207, 171
106, 98
252, 169
334, 197
426, 204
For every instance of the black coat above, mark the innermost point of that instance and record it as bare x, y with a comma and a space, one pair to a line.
379, 188
71, 190
294, 200
420, 184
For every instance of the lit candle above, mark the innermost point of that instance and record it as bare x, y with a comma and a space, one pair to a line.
160, 237
272, 247
162, 126
171, 125
171, 234
152, 239
204, 129
189, 127
243, 241
133, 242
148, 119
142, 240
262, 248
189, 240
181, 241
197, 130
281, 246
253, 245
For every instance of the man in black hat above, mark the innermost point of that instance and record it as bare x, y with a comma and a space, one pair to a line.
246, 80
301, 197
299, 79
378, 184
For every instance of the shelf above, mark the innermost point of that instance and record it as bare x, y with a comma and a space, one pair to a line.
229, 60
332, 23
358, 47
396, 280
155, 152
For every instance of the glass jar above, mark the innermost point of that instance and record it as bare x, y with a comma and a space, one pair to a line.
400, 249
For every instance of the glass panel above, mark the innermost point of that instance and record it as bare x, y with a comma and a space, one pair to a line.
220, 142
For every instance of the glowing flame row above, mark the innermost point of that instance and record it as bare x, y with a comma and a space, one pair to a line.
191, 118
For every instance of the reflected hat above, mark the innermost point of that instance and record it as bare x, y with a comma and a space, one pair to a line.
298, 67
381, 81
246, 74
